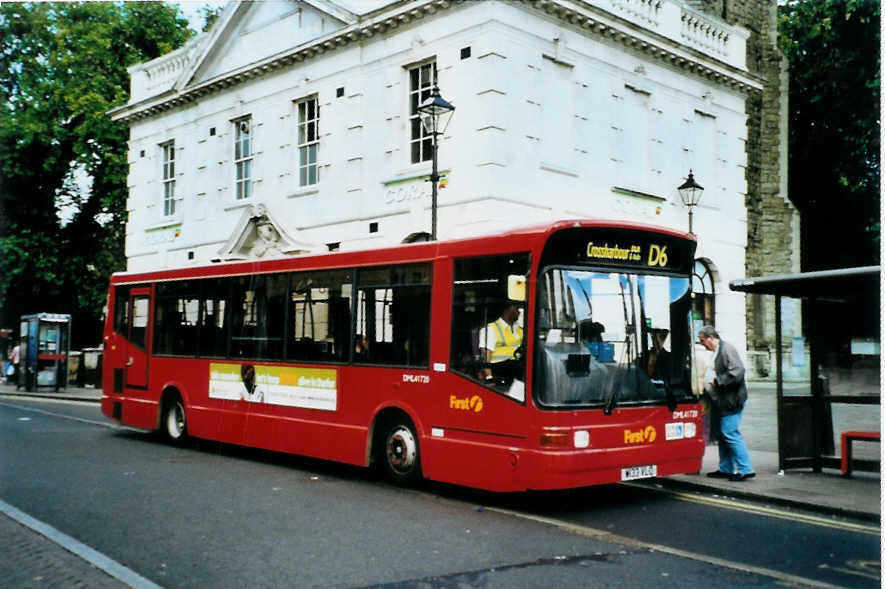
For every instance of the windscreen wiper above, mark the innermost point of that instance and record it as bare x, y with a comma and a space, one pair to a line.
671, 397
668, 389
611, 402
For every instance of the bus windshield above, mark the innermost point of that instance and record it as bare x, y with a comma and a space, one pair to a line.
612, 338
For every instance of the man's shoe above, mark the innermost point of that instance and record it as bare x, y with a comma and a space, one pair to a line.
718, 474
737, 478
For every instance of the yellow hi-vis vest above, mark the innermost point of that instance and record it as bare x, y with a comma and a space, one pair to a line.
506, 340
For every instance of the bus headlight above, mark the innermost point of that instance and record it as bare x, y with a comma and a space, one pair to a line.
582, 438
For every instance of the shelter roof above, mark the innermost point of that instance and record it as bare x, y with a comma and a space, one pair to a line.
839, 283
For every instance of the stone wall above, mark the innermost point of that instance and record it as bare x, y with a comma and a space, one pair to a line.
772, 220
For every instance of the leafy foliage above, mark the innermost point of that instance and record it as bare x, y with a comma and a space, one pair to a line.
210, 14
62, 67
833, 50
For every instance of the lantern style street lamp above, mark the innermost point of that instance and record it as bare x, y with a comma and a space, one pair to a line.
690, 192
435, 114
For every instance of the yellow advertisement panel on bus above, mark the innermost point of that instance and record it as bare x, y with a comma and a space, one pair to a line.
292, 386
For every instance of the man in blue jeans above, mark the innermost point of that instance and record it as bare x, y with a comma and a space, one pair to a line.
728, 393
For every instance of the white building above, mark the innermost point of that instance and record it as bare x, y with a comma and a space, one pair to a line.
301, 114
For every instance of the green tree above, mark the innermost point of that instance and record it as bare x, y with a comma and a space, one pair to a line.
210, 14
833, 50
62, 67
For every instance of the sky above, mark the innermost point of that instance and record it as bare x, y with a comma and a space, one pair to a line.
191, 11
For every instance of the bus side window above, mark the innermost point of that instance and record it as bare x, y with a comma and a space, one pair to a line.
319, 316
140, 309
257, 304
213, 317
393, 316
121, 310
175, 318
480, 305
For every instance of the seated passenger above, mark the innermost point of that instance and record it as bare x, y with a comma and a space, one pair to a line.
360, 348
658, 363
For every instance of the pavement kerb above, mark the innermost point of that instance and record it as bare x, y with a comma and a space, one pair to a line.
762, 497
53, 396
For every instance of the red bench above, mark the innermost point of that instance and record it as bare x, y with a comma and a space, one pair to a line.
847, 439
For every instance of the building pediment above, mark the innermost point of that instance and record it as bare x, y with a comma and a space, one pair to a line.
253, 31
244, 35
259, 235
253, 39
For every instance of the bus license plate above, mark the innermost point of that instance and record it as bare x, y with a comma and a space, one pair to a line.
639, 472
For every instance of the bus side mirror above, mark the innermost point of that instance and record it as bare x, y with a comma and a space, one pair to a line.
516, 287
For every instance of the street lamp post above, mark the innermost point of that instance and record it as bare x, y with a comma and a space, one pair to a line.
690, 192
436, 113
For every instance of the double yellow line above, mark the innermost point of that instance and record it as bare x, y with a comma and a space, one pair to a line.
769, 512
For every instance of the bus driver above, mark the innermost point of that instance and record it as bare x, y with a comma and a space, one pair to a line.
501, 338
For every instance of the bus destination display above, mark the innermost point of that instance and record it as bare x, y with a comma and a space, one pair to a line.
607, 247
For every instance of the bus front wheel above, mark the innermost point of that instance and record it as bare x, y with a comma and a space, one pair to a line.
400, 456
174, 421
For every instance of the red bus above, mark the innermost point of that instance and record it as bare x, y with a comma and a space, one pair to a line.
549, 357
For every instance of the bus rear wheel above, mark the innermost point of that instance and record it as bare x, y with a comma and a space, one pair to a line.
399, 453
174, 421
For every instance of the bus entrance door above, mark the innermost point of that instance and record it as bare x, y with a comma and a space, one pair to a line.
137, 348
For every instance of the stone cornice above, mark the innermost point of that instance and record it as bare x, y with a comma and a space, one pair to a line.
583, 15
389, 18
576, 13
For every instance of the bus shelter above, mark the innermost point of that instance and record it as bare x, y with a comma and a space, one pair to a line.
841, 316
45, 341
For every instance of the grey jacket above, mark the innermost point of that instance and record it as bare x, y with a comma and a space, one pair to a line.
730, 390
